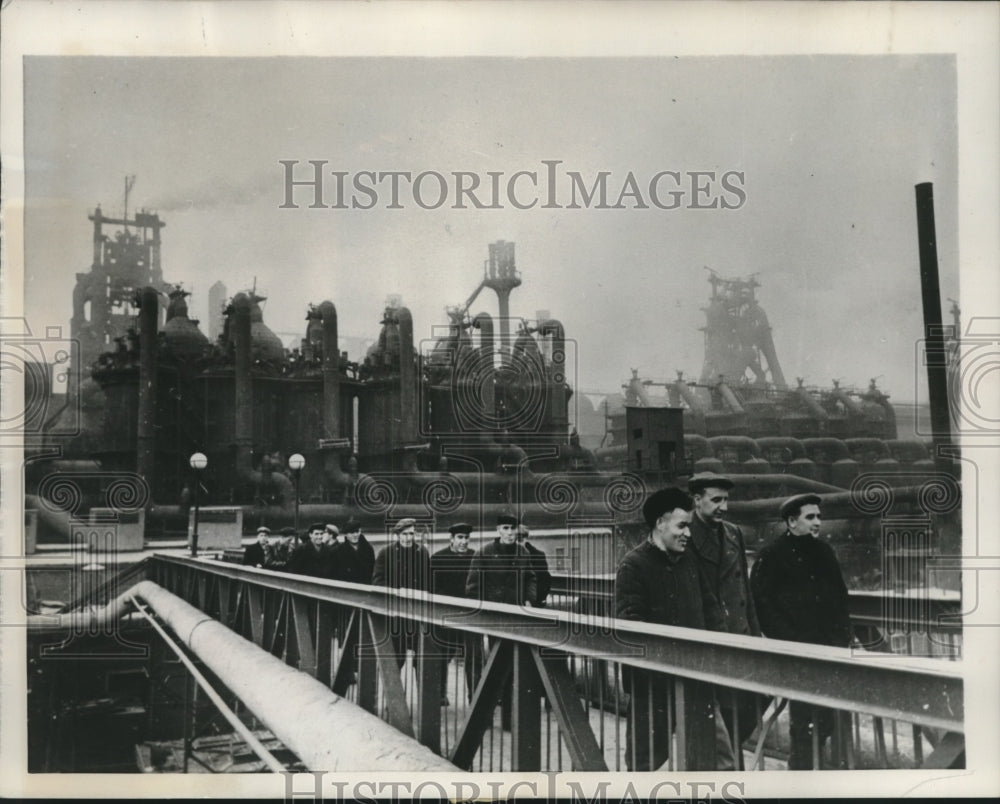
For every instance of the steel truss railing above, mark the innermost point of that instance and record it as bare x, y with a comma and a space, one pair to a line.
562, 666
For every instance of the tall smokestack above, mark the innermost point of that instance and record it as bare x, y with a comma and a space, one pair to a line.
937, 364
243, 383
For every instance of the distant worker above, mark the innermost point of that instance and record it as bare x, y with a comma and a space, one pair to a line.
539, 563
658, 582
502, 572
354, 558
403, 564
253, 555
722, 560
278, 552
307, 555
449, 570
801, 597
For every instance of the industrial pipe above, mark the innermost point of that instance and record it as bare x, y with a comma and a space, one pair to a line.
332, 469
731, 400
557, 375
407, 379
327, 732
695, 404
146, 424
243, 384
852, 405
815, 407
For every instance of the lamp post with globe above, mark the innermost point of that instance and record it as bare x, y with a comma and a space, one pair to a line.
198, 462
295, 463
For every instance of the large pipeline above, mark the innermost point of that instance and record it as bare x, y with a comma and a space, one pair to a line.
146, 416
327, 732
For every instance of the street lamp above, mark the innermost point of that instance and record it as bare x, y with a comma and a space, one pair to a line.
295, 463
198, 462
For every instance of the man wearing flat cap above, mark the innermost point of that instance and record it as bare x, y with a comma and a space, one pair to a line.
449, 570
801, 597
722, 560
253, 555
658, 582
403, 564
502, 572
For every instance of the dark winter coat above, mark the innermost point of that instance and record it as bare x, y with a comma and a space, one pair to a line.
354, 564
540, 564
449, 571
502, 573
655, 586
801, 595
403, 567
253, 555
722, 562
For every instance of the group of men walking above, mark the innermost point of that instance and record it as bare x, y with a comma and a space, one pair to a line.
322, 552
692, 571
509, 569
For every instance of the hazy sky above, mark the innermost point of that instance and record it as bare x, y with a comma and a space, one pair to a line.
830, 148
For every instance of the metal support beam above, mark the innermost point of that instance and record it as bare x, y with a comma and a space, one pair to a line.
584, 752
527, 712
484, 702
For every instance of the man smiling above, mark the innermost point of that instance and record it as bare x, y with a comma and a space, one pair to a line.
658, 582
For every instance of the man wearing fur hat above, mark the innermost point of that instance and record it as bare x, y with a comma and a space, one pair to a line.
801, 597
658, 582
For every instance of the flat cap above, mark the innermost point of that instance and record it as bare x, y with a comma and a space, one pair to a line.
793, 505
331, 528
460, 527
403, 524
352, 526
317, 526
289, 531
507, 519
664, 501
708, 480
264, 529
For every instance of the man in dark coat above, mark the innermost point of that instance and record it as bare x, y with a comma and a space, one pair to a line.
540, 564
801, 597
502, 572
721, 556
658, 582
403, 564
354, 558
279, 552
449, 569
253, 555
307, 556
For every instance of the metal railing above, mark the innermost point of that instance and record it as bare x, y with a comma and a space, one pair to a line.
585, 691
